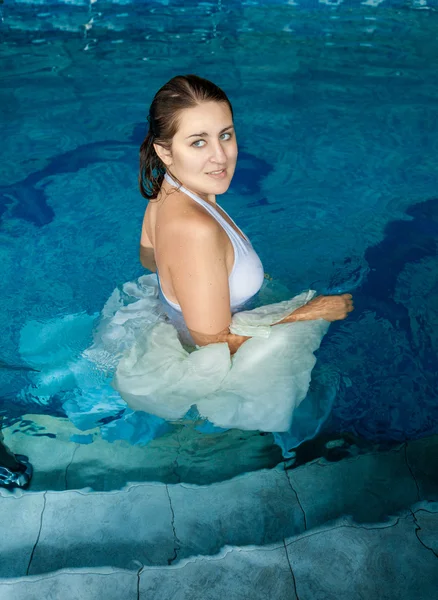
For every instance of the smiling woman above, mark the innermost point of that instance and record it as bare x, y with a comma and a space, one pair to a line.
207, 268
184, 337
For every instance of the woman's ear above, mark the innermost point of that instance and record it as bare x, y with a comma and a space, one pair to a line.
164, 155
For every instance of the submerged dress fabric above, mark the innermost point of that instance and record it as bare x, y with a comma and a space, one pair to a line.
259, 387
136, 349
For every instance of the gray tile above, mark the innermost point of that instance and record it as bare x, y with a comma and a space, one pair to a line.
182, 455
49, 456
111, 466
235, 453
255, 574
81, 585
20, 519
368, 487
257, 508
111, 528
61, 464
427, 519
422, 457
359, 563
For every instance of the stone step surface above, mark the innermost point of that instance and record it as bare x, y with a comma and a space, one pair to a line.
65, 457
319, 531
396, 560
158, 524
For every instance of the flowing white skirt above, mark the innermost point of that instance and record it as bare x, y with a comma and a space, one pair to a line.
259, 387
136, 358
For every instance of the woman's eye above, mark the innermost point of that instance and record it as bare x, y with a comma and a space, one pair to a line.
195, 144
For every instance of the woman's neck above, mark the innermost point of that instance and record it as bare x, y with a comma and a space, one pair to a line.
210, 198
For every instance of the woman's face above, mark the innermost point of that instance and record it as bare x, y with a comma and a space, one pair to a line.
205, 143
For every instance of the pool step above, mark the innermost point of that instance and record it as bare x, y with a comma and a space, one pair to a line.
343, 561
153, 523
300, 524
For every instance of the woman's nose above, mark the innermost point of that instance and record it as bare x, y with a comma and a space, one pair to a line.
219, 153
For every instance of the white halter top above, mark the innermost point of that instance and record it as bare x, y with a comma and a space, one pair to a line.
246, 277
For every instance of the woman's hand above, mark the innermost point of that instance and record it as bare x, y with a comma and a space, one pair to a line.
330, 308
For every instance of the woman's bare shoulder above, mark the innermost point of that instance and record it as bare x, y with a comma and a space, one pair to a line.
180, 218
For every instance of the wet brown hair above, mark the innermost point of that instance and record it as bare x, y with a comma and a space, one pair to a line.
182, 91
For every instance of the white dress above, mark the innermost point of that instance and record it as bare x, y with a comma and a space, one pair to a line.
257, 388
136, 362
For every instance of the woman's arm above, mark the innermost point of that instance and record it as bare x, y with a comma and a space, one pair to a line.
234, 341
197, 263
196, 257
330, 308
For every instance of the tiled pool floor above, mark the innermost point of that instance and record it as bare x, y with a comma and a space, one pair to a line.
361, 528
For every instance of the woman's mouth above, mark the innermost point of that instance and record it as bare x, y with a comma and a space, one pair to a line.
218, 174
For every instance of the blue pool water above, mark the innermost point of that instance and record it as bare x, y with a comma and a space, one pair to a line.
336, 186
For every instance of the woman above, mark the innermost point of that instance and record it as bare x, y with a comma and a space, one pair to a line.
207, 268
